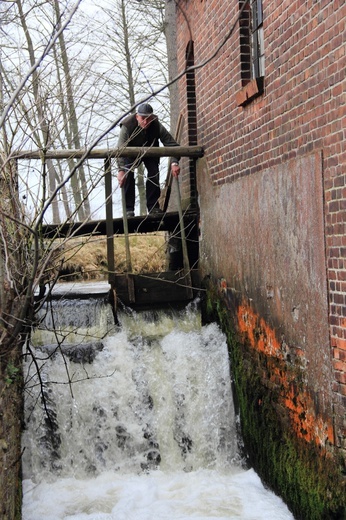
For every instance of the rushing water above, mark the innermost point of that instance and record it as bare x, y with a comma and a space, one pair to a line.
135, 423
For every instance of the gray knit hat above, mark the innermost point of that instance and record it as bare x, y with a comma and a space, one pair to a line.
145, 110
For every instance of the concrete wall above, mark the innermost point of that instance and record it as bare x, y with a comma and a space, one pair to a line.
273, 198
269, 252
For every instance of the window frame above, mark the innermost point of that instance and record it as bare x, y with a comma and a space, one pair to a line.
251, 50
257, 39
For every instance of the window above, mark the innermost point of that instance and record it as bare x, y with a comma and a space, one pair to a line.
251, 50
257, 39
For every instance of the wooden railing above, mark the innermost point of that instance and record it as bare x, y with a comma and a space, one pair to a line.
107, 154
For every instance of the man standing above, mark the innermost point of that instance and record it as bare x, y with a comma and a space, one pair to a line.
143, 129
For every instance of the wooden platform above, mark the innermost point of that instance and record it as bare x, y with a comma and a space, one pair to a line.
183, 226
141, 224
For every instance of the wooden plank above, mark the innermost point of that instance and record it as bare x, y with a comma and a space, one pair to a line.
183, 239
126, 232
109, 220
166, 192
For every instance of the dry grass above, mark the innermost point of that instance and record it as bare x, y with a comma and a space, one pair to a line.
86, 258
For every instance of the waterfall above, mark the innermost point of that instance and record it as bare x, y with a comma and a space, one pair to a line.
124, 420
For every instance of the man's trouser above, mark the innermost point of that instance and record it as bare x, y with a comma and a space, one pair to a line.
152, 186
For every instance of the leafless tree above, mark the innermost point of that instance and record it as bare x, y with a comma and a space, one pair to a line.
136, 56
61, 92
59, 89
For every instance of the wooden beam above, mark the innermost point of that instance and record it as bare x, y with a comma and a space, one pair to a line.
140, 224
166, 192
109, 220
183, 240
131, 151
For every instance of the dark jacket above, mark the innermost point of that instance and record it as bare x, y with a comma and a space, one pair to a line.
131, 134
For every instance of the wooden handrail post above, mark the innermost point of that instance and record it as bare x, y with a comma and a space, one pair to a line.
129, 277
186, 262
109, 220
126, 232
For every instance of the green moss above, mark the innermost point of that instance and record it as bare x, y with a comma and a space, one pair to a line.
12, 374
309, 481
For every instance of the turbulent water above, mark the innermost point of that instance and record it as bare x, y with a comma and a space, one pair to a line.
134, 422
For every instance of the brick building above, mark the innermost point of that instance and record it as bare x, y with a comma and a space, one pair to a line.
265, 96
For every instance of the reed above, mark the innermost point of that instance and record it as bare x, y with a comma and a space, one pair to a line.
86, 258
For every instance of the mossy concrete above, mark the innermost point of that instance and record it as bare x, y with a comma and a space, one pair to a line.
307, 476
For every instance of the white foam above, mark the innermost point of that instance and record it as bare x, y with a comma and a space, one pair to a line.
199, 495
159, 387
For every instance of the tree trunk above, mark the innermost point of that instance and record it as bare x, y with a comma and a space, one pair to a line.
80, 189
43, 124
12, 277
131, 91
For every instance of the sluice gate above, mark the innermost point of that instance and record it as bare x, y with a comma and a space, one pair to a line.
180, 282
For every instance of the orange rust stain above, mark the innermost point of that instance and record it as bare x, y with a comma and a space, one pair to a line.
299, 403
260, 335
305, 422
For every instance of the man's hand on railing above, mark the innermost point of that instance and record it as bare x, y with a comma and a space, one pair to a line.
175, 169
121, 177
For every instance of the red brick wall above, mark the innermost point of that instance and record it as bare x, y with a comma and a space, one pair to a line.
301, 113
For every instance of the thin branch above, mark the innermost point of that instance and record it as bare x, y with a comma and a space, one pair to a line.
35, 66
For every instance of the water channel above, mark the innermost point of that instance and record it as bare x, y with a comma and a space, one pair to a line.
134, 422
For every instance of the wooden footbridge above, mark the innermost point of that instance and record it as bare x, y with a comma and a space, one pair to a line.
180, 281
